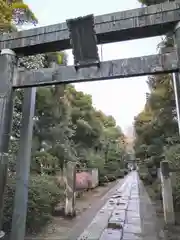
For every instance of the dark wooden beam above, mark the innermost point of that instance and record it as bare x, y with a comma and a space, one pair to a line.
123, 68
120, 26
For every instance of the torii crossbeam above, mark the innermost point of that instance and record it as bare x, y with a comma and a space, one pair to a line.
122, 68
143, 22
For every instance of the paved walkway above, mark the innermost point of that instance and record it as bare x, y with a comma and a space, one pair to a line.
127, 215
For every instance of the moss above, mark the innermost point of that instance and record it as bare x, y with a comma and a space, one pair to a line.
60, 57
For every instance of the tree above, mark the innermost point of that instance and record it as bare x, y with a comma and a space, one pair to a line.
156, 126
67, 127
14, 13
157, 123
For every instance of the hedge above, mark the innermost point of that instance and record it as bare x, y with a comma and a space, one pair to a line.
44, 194
172, 155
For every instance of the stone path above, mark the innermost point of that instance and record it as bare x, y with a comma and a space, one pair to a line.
127, 215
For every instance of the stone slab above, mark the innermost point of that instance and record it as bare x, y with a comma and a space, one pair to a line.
133, 206
121, 206
134, 196
117, 195
112, 201
134, 221
120, 214
132, 236
133, 214
132, 228
111, 234
115, 223
125, 198
95, 229
148, 228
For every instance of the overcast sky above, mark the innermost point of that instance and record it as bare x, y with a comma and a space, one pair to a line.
121, 98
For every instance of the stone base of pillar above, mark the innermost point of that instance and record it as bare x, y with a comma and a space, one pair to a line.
2, 235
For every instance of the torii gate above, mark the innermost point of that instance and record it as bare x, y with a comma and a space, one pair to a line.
120, 26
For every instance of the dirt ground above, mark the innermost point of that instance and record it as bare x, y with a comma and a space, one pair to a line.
60, 228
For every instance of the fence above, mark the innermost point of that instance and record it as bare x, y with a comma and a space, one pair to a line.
77, 180
86, 178
168, 178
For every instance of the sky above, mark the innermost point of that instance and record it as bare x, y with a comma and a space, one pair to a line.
121, 98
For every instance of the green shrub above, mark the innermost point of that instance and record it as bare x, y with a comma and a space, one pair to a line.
144, 174
126, 171
120, 173
146, 178
103, 180
149, 162
112, 166
44, 194
156, 191
172, 155
102, 176
153, 172
176, 198
111, 177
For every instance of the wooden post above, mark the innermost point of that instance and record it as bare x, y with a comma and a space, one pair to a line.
167, 193
70, 189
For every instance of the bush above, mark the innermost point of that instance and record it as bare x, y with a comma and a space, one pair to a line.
126, 171
111, 177
146, 178
153, 172
176, 197
172, 155
44, 195
102, 176
157, 189
103, 180
120, 173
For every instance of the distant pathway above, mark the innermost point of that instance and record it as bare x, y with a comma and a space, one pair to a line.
127, 215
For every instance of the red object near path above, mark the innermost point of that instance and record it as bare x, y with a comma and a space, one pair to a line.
83, 181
